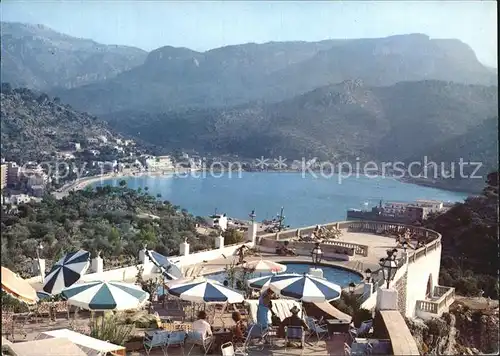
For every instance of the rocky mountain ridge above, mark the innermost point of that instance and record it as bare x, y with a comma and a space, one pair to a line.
176, 78
38, 57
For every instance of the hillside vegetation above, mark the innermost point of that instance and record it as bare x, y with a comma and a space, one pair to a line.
470, 243
335, 122
478, 145
34, 126
38, 57
107, 219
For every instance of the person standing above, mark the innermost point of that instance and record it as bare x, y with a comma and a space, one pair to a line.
263, 309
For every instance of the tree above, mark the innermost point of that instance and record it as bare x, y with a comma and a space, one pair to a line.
469, 239
232, 236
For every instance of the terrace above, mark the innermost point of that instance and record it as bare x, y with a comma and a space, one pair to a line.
358, 247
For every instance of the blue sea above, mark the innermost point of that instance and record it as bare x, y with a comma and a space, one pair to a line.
307, 200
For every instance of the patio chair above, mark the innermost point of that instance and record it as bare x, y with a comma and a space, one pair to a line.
60, 308
315, 328
43, 309
155, 339
294, 333
363, 329
369, 348
196, 339
175, 338
8, 324
253, 332
20, 321
347, 350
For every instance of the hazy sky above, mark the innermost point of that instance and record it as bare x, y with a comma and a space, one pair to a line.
204, 25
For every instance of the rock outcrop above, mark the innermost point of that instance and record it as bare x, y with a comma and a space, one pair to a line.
461, 331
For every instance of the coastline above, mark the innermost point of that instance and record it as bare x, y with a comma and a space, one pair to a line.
81, 183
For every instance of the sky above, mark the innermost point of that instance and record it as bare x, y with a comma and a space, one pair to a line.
205, 25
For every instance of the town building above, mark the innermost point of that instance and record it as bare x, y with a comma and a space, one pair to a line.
399, 212
13, 171
20, 199
218, 221
3, 175
159, 163
37, 190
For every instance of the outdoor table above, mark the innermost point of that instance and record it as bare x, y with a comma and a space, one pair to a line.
221, 336
337, 325
152, 332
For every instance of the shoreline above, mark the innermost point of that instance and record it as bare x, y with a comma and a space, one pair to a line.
81, 183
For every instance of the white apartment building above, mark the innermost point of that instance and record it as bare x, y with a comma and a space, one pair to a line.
159, 163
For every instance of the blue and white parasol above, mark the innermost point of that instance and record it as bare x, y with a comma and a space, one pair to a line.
66, 271
102, 296
263, 282
169, 270
205, 291
306, 288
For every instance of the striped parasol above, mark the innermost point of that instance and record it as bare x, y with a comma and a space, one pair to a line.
263, 282
306, 288
67, 271
102, 296
265, 266
205, 291
17, 287
169, 270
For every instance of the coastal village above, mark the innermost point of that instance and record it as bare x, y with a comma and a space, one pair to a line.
355, 246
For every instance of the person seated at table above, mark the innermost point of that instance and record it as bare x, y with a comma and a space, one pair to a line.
239, 327
201, 326
292, 320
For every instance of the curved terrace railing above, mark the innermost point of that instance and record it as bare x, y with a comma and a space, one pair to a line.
349, 248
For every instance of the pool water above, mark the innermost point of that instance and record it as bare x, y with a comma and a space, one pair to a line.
337, 275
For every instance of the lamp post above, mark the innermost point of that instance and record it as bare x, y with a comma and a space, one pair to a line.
316, 254
368, 275
389, 266
252, 216
280, 219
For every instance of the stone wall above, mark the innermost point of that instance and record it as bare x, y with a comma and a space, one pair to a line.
401, 288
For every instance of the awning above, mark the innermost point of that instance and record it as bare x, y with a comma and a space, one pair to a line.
47, 347
86, 343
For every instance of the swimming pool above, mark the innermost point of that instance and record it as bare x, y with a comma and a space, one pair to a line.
337, 275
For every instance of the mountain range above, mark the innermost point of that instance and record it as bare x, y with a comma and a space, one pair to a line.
341, 121
390, 98
172, 78
37, 57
